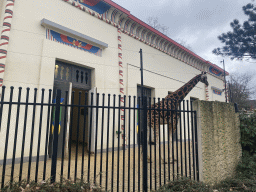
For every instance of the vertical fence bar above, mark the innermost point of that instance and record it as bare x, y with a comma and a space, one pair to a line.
15, 134
193, 140
55, 137
168, 138
123, 119
64, 136
24, 134
47, 132
155, 138
189, 149
134, 133
118, 149
181, 151
113, 143
144, 146
2, 103
185, 137
102, 132
7, 136
196, 146
90, 139
176, 126
139, 142
39, 136
32, 134
77, 132
172, 113
150, 146
85, 113
70, 135
159, 141
129, 143
163, 116
96, 137
106, 187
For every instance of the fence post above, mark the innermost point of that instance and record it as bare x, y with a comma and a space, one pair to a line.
144, 146
55, 136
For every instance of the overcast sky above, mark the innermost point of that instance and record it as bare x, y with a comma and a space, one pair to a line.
196, 22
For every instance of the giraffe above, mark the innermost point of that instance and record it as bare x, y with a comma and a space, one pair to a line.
171, 101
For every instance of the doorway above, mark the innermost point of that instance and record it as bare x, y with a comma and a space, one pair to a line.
71, 80
79, 126
147, 93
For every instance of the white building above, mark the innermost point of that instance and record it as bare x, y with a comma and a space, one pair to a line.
92, 45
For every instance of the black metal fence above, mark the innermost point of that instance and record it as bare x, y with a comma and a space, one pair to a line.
80, 136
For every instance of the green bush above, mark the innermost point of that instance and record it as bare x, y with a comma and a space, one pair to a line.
248, 133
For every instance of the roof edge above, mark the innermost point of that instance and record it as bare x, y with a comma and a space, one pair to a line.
132, 17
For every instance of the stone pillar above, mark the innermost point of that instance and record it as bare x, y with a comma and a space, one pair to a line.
219, 145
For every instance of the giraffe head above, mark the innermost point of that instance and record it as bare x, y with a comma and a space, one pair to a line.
204, 78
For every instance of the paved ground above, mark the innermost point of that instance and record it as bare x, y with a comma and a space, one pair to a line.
158, 172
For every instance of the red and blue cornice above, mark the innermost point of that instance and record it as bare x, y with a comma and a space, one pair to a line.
96, 5
113, 15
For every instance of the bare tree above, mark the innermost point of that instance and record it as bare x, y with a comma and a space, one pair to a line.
153, 22
164, 30
184, 44
240, 89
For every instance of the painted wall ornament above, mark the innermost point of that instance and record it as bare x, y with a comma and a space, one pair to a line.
215, 71
4, 36
55, 36
216, 92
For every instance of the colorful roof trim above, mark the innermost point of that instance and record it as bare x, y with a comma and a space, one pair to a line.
113, 15
132, 27
138, 30
96, 5
135, 19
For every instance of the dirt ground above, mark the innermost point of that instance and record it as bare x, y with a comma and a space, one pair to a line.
121, 173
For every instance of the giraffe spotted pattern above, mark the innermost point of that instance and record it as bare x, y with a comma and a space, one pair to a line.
162, 111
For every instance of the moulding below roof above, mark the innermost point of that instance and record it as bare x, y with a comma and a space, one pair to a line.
195, 62
135, 19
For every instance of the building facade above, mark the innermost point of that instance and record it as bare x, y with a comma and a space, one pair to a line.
93, 46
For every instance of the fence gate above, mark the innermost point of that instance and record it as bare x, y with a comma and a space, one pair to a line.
26, 120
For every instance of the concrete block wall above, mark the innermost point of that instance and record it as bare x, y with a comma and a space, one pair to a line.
218, 140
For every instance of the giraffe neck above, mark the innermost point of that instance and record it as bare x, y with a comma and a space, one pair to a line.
182, 92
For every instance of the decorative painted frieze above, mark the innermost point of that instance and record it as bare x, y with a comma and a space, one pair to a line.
216, 92
66, 40
215, 71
